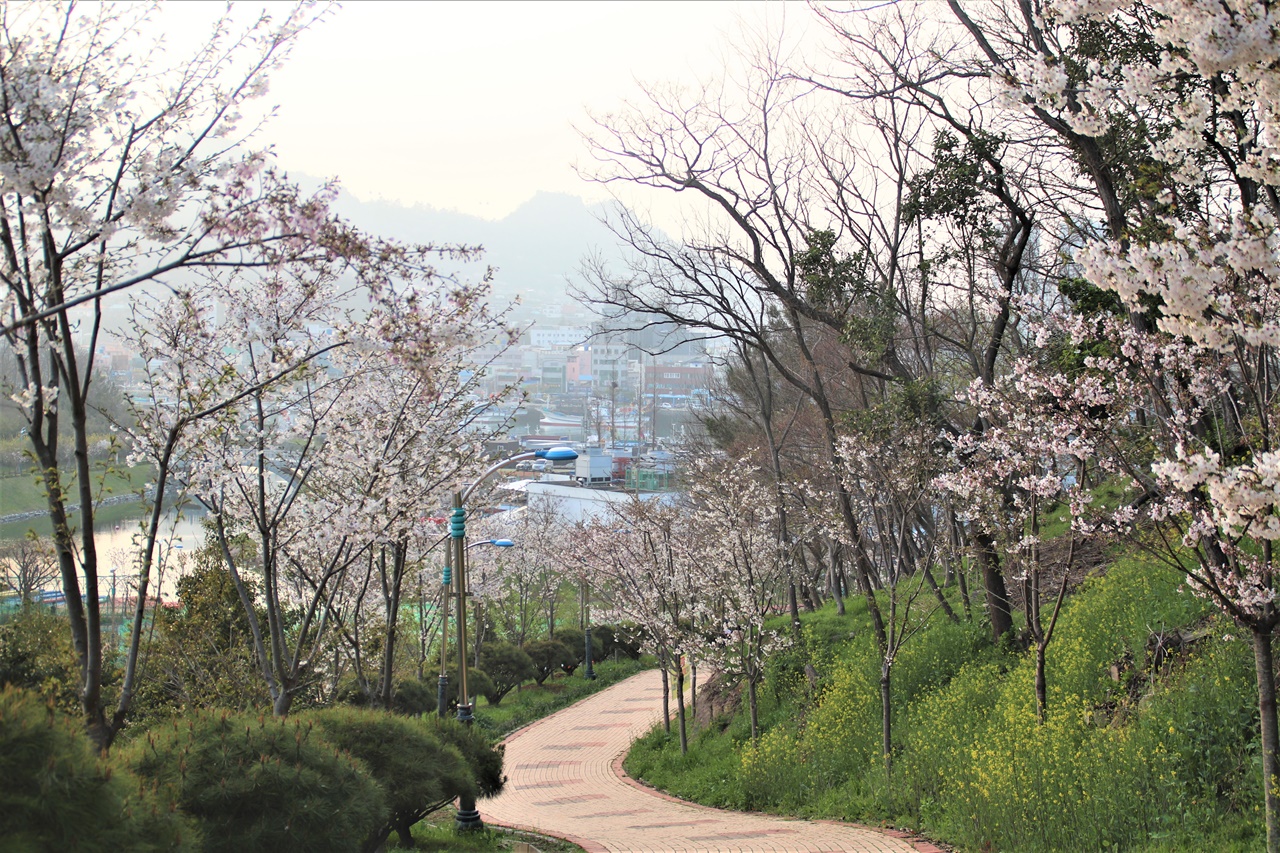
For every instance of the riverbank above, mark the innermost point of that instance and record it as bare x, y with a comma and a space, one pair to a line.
24, 509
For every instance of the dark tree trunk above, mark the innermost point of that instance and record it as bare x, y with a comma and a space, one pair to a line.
833, 569
886, 717
684, 734
693, 688
993, 580
1042, 690
794, 605
1264, 666
666, 697
937, 593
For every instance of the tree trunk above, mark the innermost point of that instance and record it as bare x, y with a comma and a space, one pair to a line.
693, 688
794, 606
754, 706
405, 832
886, 718
666, 698
833, 569
937, 593
1042, 690
684, 734
993, 579
1264, 665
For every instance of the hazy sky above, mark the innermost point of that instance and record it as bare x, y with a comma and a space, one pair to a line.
471, 105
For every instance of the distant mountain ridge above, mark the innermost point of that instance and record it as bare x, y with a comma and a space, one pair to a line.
536, 249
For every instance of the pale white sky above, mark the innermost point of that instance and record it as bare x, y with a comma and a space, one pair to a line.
471, 105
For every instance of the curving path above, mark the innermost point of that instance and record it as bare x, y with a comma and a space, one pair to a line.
565, 779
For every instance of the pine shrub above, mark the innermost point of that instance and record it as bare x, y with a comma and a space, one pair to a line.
58, 793
416, 772
256, 783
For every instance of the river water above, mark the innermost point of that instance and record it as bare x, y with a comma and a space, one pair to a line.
120, 542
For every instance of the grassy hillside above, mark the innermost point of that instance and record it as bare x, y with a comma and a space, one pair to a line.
25, 493
1149, 742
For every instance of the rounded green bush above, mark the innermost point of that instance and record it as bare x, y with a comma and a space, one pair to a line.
417, 773
483, 758
507, 665
36, 654
549, 656
261, 784
57, 793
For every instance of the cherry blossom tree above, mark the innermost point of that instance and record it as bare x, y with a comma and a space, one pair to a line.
1189, 356
1045, 430
737, 559
888, 464
328, 445
641, 555
524, 582
119, 170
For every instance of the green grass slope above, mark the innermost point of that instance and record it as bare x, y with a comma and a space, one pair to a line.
1150, 742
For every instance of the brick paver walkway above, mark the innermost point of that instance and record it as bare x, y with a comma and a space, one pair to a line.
565, 779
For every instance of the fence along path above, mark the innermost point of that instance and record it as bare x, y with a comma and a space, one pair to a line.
565, 779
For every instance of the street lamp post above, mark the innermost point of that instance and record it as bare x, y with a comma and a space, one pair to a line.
589, 673
442, 686
468, 816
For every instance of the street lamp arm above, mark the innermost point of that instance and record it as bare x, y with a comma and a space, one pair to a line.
466, 493
555, 454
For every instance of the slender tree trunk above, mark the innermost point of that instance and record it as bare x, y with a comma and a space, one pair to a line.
1042, 690
886, 717
666, 697
684, 734
693, 688
1264, 665
810, 600
833, 569
391, 592
794, 606
753, 705
937, 593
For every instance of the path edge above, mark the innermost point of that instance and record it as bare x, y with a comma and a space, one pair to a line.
921, 844
586, 844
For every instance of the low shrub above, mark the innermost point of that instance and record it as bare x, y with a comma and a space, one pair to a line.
549, 656
483, 757
507, 666
575, 641
525, 706
58, 793
36, 654
614, 641
260, 784
416, 772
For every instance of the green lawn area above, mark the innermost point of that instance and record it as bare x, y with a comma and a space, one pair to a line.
26, 494
533, 702
436, 833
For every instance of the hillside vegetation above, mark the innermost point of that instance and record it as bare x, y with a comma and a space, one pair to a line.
1150, 740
